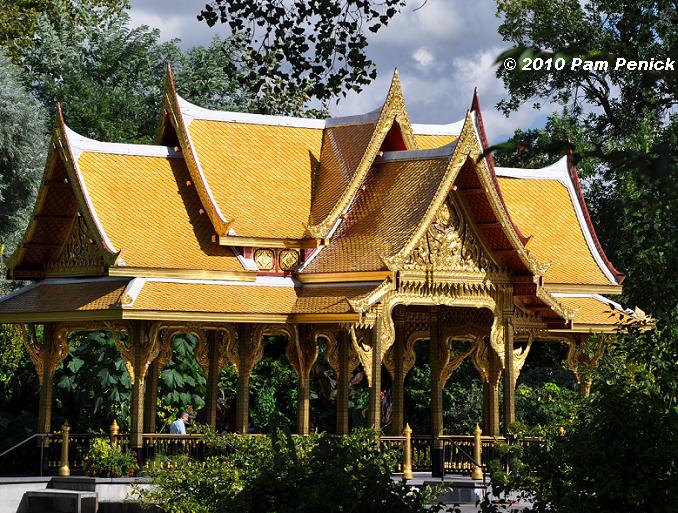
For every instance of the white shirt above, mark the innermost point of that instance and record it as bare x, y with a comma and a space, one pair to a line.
178, 427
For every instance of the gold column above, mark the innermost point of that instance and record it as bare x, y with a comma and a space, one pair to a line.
302, 352
213, 374
212, 353
139, 350
245, 355
342, 357
493, 395
436, 395
46, 357
151, 396
488, 365
398, 376
510, 376
343, 378
374, 412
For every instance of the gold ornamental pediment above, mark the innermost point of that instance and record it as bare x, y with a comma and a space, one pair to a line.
449, 244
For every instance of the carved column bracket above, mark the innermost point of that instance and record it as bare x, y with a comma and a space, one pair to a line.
217, 356
584, 353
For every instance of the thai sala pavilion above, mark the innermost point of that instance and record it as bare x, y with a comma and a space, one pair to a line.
369, 231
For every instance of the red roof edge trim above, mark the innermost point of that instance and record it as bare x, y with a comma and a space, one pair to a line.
574, 176
475, 107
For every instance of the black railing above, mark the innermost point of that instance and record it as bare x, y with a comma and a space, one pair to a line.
458, 450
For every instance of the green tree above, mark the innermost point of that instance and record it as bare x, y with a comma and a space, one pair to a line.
19, 19
109, 76
23, 148
317, 47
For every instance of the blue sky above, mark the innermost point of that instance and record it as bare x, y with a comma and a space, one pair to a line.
442, 50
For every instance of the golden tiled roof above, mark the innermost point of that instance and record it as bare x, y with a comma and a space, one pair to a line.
594, 310
260, 175
342, 149
205, 297
59, 296
383, 216
105, 295
149, 213
194, 297
426, 142
544, 211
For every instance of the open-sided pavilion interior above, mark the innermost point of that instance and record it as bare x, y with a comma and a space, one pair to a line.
369, 232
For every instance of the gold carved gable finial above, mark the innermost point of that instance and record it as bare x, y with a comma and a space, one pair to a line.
80, 250
392, 111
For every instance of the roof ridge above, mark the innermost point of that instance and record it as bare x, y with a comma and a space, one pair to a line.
81, 144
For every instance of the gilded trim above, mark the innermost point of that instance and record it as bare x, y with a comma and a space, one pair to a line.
188, 274
344, 277
583, 288
393, 110
257, 242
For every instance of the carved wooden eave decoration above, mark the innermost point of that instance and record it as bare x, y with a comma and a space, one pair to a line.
172, 110
393, 111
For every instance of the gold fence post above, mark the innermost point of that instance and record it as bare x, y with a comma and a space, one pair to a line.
64, 470
115, 431
477, 472
407, 453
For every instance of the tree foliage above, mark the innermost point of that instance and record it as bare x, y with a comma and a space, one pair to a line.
283, 474
22, 154
316, 46
19, 19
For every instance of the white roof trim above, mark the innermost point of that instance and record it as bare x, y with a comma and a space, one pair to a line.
360, 119
83, 186
556, 171
195, 112
247, 263
81, 144
186, 119
448, 129
407, 155
597, 297
129, 296
559, 171
19, 291
312, 256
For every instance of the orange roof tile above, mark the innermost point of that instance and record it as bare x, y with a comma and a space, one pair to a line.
426, 142
544, 211
149, 213
383, 216
342, 149
206, 297
65, 296
260, 175
594, 310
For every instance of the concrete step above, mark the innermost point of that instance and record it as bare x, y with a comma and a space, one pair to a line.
60, 501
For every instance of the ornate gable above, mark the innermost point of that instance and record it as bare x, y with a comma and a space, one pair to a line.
80, 253
448, 244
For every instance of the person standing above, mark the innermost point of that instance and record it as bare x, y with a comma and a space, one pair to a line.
178, 427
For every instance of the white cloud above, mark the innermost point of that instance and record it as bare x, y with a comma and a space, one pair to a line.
423, 58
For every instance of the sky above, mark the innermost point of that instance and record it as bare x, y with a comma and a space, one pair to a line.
442, 50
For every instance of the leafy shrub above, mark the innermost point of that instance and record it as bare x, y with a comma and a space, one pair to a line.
105, 459
282, 473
